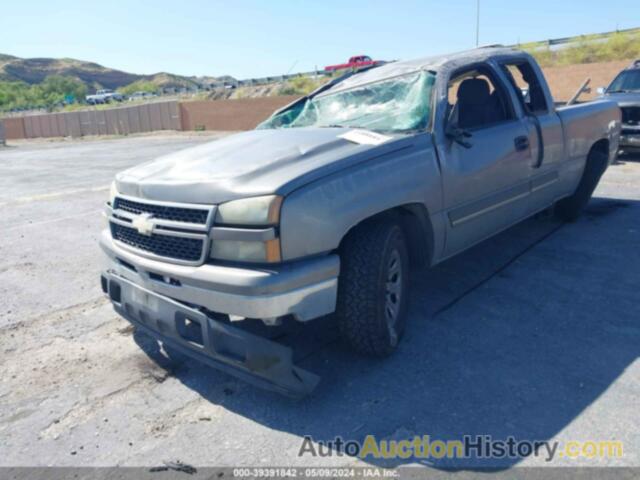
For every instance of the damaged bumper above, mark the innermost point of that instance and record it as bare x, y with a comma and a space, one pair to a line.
254, 359
169, 301
305, 289
630, 137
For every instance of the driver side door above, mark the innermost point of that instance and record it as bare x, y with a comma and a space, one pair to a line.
485, 173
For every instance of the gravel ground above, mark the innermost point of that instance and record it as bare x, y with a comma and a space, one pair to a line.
533, 333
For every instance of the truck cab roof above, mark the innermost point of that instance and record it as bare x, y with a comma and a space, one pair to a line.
634, 65
437, 63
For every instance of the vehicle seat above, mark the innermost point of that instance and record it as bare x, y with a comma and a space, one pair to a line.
475, 104
495, 111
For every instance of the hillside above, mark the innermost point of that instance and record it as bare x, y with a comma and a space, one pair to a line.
36, 70
4, 57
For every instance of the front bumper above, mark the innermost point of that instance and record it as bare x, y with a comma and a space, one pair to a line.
305, 289
179, 305
630, 137
252, 358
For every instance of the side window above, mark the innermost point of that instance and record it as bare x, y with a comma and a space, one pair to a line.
527, 84
477, 100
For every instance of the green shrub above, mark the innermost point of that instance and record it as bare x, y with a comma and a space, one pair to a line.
588, 49
622, 46
54, 90
139, 86
301, 85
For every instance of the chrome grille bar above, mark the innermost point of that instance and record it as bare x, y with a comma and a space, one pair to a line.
178, 233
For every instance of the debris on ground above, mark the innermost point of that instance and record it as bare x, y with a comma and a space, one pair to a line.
177, 466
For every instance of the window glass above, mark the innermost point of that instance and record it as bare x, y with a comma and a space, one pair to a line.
397, 104
476, 100
527, 85
627, 81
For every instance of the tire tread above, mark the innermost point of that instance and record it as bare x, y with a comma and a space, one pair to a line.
358, 295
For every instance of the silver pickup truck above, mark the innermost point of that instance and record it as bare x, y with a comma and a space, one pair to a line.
327, 205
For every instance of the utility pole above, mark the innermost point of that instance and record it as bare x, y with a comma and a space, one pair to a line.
477, 23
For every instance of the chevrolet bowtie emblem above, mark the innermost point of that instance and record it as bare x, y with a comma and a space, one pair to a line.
144, 224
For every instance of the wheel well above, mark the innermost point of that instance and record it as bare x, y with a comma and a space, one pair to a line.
598, 161
416, 225
602, 146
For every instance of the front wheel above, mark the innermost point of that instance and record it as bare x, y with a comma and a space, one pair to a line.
373, 288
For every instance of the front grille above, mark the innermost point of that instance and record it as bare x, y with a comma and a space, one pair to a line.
180, 248
630, 115
176, 214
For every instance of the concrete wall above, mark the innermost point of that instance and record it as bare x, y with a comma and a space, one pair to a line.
115, 121
14, 128
240, 114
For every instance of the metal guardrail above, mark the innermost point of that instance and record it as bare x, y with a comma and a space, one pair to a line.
566, 40
267, 80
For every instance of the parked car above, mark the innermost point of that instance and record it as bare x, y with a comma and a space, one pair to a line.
625, 91
135, 96
358, 61
104, 96
327, 205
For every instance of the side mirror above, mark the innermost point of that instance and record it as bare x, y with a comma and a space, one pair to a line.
458, 135
600, 90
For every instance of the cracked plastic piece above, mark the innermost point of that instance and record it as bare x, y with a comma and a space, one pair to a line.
254, 359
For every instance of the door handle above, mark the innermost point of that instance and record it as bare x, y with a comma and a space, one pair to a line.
521, 143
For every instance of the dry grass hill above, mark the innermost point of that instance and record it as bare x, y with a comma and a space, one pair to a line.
93, 75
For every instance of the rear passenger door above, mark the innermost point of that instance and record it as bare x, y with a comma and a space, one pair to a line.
485, 155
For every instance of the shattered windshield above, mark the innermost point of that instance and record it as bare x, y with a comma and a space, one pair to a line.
627, 81
399, 104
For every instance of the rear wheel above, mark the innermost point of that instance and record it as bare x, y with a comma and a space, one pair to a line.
373, 288
569, 208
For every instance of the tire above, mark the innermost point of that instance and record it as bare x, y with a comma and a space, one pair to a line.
373, 288
568, 209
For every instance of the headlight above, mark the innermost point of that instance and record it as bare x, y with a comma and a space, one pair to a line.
250, 211
246, 251
113, 191
237, 235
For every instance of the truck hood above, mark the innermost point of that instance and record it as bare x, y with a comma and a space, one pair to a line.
630, 99
257, 162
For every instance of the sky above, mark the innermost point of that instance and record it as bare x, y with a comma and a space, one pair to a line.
251, 38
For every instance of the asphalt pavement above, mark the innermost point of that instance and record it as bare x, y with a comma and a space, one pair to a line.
533, 334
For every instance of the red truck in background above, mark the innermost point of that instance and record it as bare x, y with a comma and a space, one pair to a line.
358, 61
